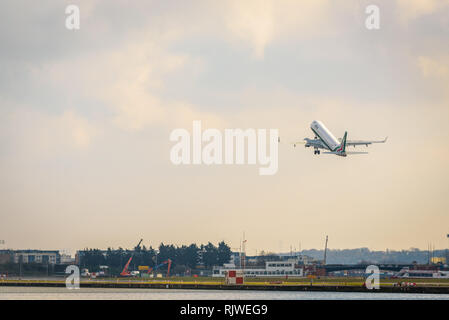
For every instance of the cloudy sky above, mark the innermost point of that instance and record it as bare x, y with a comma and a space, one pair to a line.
85, 119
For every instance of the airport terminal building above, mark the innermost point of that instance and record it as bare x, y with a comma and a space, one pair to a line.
37, 256
289, 268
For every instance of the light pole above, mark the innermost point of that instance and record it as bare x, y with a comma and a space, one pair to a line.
20, 267
447, 251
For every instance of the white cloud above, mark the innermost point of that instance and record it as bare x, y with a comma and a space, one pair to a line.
434, 67
125, 61
435, 71
35, 134
260, 22
129, 80
412, 9
252, 21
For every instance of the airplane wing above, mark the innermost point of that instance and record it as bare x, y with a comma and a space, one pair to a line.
347, 152
363, 142
315, 143
308, 142
352, 152
296, 143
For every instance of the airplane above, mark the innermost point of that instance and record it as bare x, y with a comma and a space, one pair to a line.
324, 139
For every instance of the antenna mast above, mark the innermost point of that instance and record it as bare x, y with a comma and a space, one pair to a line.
325, 251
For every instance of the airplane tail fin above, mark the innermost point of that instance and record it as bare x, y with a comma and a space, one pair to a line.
342, 147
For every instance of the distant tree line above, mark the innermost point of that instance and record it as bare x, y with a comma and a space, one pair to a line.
184, 258
365, 255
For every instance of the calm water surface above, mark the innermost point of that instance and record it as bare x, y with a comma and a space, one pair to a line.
29, 293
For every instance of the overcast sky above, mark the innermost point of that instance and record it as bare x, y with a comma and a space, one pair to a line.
85, 119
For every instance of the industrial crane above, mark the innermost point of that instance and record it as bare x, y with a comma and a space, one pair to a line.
125, 272
168, 261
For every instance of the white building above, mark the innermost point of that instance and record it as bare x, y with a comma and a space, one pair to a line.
67, 259
37, 256
272, 269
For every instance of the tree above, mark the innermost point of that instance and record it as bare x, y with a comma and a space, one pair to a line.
224, 253
166, 252
183, 257
210, 255
187, 256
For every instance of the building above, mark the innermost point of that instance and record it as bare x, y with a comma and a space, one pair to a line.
5, 256
438, 260
280, 268
260, 260
37, 256
67, 259
302, 258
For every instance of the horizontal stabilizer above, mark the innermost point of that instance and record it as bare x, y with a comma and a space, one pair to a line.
347, 152
363, 142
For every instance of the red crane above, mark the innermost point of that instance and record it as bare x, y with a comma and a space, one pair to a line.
125, 272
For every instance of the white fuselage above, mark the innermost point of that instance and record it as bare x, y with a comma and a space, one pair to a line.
324, 135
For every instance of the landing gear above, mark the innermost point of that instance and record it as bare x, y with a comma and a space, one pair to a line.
316, 151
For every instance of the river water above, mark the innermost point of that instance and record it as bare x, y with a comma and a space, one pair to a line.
30, 293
